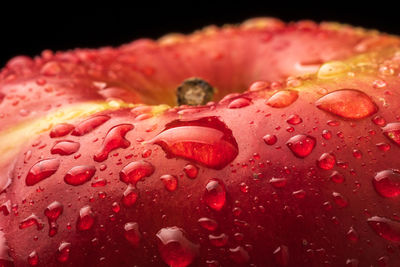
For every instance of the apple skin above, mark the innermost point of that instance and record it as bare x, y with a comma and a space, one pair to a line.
310, 198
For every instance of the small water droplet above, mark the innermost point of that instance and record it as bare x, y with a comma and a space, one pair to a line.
215, 194
79, 175
294, 119
114, 139
129, 197
301, 145
132, 234
239, 255
191, 171
281, 255
218, 240
282, 99
385, 228
115, 207
352, 263
379, 120
207, 141
31, 220
339, 200
337, 177
326, 161
63, 252
135, 171
89, 125
332, 69
53, 211
239, 103
175, 248
278, 182
270, 139
170, 182
326, 134
383, 147
85, 219
33, 258
65, 148
387, 183
208, 224
392, 131
347, 103
352, 235
41, 170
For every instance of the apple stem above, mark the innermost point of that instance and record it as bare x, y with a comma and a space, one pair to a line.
193, 92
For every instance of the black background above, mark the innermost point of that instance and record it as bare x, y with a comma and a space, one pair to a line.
29, 30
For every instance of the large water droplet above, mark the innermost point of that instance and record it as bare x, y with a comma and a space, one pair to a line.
61, 129
326, 161
33, 259
281, 254
191, 171
89, 125
42, 170
31, 220
63, 251
207, 141
85, 219
218, 240
114, 139
170, 182
282, 99
135, 171
175, 248
215, 194
79, 175
53, 211
239, 103
386, 228
129, 197
65, 148
347, 103
208, 224
387, 183
301, 145
132, 234
392, 131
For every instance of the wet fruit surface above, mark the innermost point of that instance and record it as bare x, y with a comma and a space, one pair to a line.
300, 170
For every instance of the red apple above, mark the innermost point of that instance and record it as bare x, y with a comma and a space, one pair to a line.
98, 166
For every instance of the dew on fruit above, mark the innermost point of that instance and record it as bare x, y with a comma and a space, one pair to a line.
301, 145
218, 240
282, 99
239, 103
294, 119
278, 182
53, 211
337, 177
41, 170
326, 161
215, 194
114, 139
135, 171
347, 103
385, 228
326, 134
392, 131
387, 183
33, 258
170, 182
63, 252
239, 255
281, 255
340, 200
383, 147
132, 234
332, 69
30, 221
89, 125
86, 219
175, 248
191, 171
129, 197
65, 148
79, 175
270, 139
207, 141
208, 224
379, 120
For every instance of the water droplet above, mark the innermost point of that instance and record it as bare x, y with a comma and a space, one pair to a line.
259, 85
337, 177
379, 84
385, 228
191, 171
170, 182
281, 255
352, 235
63, 252
175, 248
51, 68
357, 154
347, 103
332, 69
42, 170
383, 147
132, 234
326, 161
53, 211
207, 141
218, 240
301, 145
215, 194
392, 131
33, 259
270, 139
135, 171
387, 183
31, 220
65, 148
208, 224
299, 194
379, 120
115, 207
278, 182
282, 99
114, 139
239, 103
352, 263
85, 219
239, 255
326, 134
89, 125
294, 119
129, 197
79, 175
339, 200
